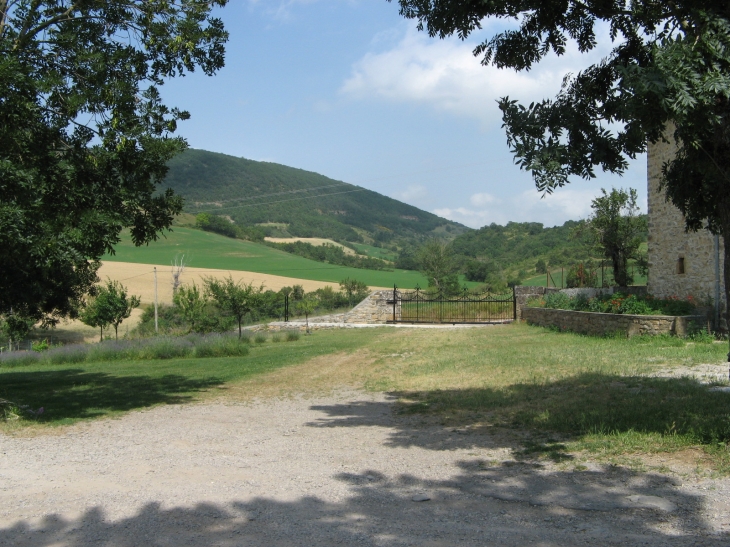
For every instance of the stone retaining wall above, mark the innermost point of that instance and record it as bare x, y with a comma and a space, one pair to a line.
609, 323
374, 309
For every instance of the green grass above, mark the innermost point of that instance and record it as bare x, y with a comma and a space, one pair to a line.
208, 250
69, 393
565, 394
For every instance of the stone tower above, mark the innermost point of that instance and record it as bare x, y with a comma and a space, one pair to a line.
680, 264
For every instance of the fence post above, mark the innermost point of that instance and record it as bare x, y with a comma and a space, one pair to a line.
286, 308
395, 292
514, 303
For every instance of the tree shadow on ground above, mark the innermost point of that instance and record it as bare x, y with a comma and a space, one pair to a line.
570, 407
476, 506
77, 394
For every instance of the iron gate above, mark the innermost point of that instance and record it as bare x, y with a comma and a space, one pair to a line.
434, 306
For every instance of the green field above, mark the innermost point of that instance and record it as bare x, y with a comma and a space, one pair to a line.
376, 252
208, 250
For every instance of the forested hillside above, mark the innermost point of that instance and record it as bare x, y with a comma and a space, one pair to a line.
284, 201
521, 249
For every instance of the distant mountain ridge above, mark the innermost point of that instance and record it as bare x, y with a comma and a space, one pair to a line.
286, 201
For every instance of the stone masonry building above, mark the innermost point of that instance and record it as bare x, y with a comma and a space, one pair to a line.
680, 264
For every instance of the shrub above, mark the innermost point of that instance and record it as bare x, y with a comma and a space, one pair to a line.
292, 335
617, 303
59, 355
558, 301
260, 338
277, 337
19, 358
166, 348
221, 346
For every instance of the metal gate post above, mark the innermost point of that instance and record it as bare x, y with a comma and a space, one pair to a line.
395, 299
514, 303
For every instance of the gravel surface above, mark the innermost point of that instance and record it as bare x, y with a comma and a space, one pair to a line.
340, 470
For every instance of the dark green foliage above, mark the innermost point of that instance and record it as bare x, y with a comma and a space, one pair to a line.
540, 266
618, 303
583, 274
110, 306
305, 204
85, 138
223, 226
236, 299
616, 230
438, 264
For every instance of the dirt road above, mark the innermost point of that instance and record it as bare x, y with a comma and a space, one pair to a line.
337, 470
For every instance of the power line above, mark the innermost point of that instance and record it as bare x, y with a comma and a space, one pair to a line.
259, 196
280, 201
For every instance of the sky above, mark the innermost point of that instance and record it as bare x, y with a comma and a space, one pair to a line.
351, 90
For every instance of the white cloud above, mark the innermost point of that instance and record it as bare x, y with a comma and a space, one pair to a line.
483, 199
414, 193
528, 206
445, 75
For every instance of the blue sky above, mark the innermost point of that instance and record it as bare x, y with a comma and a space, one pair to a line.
351, 90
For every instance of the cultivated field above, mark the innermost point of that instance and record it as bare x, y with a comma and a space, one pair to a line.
140, 279
316, 241
216, 252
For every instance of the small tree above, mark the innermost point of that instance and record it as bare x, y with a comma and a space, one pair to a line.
110, 307
15, 327
191, 302
238, 299
540, 266
436, 262
90, 315
352, 288
615, 229
307, 305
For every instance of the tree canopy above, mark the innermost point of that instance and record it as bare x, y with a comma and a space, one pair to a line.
85, 136
666, 78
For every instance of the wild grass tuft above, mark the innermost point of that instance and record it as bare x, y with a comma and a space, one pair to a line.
260, 338
277, 337
292, 335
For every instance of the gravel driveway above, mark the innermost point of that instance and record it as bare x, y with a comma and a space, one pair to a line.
340, 470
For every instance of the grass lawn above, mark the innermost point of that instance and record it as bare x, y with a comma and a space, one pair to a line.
208, 250
563, 394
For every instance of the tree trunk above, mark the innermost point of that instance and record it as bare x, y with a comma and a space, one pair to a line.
101, 334
725, 233
240, 334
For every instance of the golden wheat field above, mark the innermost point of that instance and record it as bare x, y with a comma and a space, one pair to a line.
140, 279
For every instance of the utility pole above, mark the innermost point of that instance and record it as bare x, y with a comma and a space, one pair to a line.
155, 299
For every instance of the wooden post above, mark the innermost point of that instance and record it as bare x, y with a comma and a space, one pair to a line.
155, 299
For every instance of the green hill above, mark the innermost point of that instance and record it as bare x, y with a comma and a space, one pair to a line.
284, 201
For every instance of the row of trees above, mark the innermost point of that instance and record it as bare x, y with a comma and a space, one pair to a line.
223, 303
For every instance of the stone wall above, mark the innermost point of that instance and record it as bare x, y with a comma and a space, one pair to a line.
376, 308
600, 324
680, 264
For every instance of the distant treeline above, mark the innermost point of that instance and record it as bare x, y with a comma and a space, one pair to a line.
505, 255
331, 254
